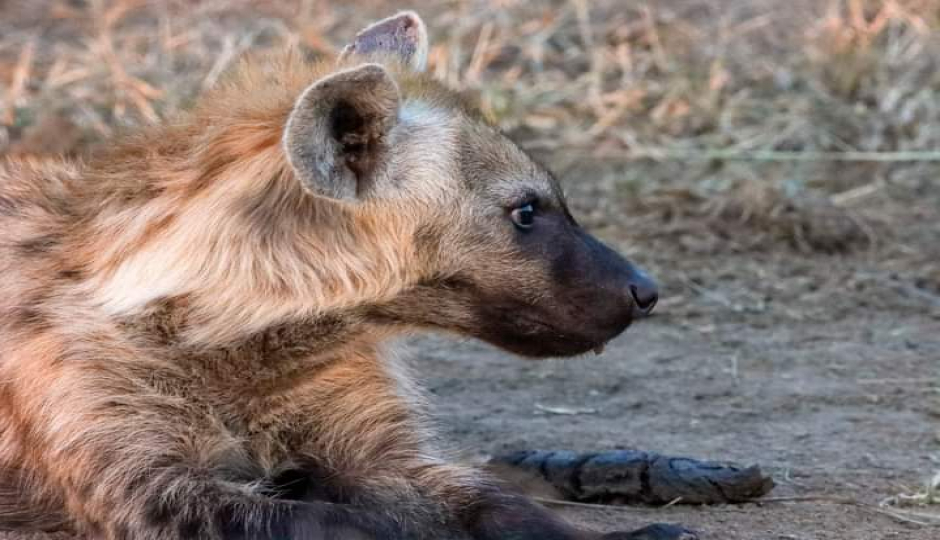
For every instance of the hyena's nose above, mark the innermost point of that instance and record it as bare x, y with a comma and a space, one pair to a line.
644, 291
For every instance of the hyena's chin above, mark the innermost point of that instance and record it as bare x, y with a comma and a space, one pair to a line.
548, 345
547, 337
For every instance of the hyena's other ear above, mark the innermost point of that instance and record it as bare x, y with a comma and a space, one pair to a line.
336, 138
402, 37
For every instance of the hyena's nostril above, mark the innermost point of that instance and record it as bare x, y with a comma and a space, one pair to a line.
645, 295
645, 298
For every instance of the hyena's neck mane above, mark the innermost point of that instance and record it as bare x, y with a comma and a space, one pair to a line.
207, 208
265, 353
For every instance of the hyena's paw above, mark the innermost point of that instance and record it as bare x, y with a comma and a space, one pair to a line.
656, 531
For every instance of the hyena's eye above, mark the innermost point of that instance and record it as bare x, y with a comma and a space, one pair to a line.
523, 217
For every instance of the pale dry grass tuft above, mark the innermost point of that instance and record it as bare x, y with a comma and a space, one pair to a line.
754, 216
916, 505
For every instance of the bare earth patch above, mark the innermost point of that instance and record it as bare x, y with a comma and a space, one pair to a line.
843, 412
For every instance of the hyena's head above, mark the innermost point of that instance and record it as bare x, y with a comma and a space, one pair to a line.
501, 258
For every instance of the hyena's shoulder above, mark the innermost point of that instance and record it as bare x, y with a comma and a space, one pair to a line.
36, 209
31, 186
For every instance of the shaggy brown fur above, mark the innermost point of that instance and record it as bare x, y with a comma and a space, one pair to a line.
192, 322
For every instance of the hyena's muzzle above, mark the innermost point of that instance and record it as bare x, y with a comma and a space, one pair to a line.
586, 295
547, 288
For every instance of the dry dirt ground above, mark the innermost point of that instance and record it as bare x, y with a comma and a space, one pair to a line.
800, 322
824, 370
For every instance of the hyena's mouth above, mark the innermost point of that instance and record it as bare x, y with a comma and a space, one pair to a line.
529, 336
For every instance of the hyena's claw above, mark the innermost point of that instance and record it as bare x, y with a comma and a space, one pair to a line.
656, 531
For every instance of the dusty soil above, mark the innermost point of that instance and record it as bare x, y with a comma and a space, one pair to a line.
843, 409
822, 369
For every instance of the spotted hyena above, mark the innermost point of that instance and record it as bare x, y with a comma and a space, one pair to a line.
192, 321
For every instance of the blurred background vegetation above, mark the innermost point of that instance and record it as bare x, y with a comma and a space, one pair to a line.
788, 119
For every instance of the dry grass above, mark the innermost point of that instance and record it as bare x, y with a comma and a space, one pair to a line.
624, 80
915, 505
754, 216
688, 99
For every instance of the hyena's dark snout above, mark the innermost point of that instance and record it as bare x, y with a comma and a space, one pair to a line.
617, 291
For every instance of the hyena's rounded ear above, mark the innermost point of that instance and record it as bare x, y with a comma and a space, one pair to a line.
402, 37
336, 136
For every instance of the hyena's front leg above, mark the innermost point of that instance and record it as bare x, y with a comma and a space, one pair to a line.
191, 505
153, 496
376, 454
498, 515
139, 465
